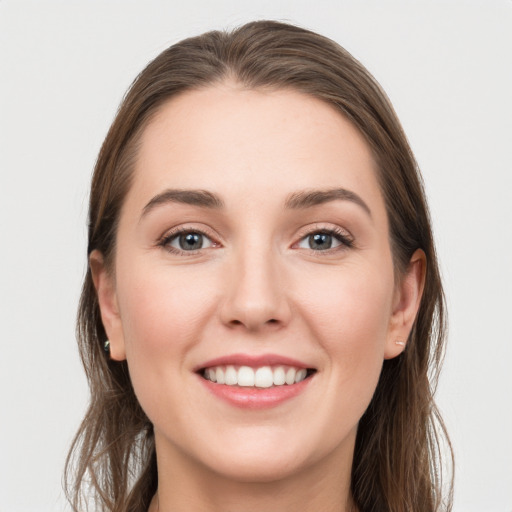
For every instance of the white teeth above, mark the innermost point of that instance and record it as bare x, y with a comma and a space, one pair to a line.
246, 376
219, 375
290, 376
262, 377
300, 375
279, 377
231, 376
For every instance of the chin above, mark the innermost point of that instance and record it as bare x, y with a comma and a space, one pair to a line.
260, 469
263, 457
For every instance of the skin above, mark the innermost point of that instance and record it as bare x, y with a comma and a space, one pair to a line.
255, 287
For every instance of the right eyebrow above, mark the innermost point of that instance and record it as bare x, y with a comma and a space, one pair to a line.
201, 198
309, 198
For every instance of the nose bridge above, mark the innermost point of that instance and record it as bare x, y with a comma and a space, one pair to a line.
255, 294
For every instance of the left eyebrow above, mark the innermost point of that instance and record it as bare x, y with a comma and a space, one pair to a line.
201, 198
309, 198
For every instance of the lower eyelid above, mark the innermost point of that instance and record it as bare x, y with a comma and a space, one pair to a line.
337, 244
341, 236
343, 239
176, 238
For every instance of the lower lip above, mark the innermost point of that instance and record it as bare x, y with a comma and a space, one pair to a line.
255, 398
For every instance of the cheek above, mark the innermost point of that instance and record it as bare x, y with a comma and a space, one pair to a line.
350, 316
163, 315
351, 306
161, 310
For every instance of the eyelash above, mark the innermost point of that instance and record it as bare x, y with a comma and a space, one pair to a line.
169, 237
343, 237
345, 240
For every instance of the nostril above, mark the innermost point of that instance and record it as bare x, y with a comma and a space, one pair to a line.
272, 321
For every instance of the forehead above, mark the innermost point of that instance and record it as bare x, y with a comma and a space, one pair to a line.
232, 140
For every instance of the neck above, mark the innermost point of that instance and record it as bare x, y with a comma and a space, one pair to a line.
184, 486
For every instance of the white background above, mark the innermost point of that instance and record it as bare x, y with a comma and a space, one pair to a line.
64, 67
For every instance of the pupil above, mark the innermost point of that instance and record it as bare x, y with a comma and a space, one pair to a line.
320, 241
191, 241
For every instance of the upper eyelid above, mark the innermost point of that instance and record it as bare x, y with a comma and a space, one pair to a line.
323, 227
211, 234
164, 242
178, 230
345, 237
174, 234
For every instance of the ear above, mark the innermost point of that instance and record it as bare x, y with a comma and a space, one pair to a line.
104, 283
406, 303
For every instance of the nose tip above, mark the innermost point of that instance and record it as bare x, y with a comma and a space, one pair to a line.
255, 298
252, 317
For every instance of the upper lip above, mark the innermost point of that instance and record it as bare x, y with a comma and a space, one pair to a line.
253, 361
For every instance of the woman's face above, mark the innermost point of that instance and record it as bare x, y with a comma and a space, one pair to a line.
253, 247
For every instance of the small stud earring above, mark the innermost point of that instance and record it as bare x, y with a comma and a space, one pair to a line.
106, 346
401, 343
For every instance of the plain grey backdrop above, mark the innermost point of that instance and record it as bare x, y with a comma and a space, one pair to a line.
64, 66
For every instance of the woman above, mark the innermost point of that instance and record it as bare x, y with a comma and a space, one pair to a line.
262, 311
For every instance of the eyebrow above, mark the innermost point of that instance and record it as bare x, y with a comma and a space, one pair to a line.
309, 198
201, 198
296, 201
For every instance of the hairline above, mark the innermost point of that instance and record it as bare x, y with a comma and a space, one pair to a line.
229, 77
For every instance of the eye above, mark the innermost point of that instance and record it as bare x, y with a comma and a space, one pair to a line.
187, 241
324, 240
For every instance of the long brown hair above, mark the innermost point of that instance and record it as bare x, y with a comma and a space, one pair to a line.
397, 463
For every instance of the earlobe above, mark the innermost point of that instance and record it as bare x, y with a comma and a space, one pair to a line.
406, 304
107, 299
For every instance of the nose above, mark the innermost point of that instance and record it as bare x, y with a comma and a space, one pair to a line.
255, 296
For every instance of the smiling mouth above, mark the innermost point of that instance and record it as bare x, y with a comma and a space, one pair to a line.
260, 377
